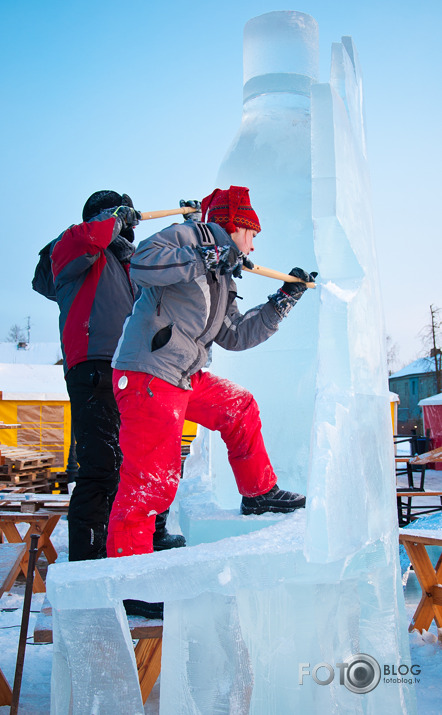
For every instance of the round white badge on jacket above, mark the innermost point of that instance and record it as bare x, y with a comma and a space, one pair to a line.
122, 382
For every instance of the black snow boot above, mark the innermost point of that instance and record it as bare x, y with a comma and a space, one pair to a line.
162, 540
142, 608
276, 500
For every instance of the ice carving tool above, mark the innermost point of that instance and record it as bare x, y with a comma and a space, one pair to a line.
167, 212
259, 270
270, 273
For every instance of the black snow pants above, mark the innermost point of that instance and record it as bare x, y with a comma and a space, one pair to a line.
96, 423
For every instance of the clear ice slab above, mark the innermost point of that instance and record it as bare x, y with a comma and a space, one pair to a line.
241, 617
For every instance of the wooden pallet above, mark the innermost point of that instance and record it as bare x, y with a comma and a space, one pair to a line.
19, 459
58, 483
26, 477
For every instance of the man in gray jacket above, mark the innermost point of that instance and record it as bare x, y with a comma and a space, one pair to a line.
188, 302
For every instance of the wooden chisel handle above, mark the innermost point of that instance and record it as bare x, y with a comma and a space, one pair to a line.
259, 270
168, 212
270, 273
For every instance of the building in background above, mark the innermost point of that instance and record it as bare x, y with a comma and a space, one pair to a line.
413, 383
35, 397
432, 412
33, 394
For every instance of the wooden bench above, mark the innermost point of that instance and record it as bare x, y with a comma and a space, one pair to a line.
435, 455
415, 542
149, 634
10, 558
407, 511
418, 463
409, 468
42, 512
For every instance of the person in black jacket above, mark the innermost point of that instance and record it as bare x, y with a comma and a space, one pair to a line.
90, 265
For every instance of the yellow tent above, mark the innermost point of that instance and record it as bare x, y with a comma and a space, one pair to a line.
35, 397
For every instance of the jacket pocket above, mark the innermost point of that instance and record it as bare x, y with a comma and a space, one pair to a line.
161, 338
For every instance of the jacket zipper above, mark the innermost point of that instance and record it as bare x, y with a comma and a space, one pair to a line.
207, 328
160, 298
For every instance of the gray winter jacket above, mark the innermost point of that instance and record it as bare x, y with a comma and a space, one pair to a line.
183, 309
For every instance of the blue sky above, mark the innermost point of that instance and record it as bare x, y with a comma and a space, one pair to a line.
145, 98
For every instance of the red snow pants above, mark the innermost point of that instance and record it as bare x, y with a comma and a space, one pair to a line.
152, 417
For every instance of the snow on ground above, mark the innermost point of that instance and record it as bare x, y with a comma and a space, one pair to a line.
426, 650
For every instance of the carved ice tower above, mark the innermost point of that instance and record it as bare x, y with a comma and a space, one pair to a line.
271, 154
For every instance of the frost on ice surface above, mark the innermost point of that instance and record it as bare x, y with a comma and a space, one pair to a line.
243, 610
225, 576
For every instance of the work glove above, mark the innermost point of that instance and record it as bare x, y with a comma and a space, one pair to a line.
128, 216
215, 257
196, 215
288, 295
293, 289
242, 262
221, 258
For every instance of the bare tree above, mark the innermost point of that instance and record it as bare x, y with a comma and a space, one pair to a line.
28, 329
392, 354
431, 335
15, 334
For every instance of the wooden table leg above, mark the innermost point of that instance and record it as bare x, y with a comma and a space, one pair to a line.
13, 536
430, 605
45, 542
148, 657
5, 690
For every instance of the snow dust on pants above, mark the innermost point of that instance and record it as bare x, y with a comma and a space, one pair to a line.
152, 417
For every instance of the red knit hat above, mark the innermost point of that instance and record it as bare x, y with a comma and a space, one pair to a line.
230, 209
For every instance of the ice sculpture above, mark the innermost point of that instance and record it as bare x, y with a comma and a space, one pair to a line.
302, 615
272, 155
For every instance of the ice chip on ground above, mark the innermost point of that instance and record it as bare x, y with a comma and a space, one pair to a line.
428, 637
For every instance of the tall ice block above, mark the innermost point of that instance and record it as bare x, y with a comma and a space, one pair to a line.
271, 154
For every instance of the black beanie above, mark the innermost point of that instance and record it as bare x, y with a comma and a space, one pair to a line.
101, 200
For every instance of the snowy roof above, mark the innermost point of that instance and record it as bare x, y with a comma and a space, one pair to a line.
394, 397
32, 382
32, 354
422, 365
433, 400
